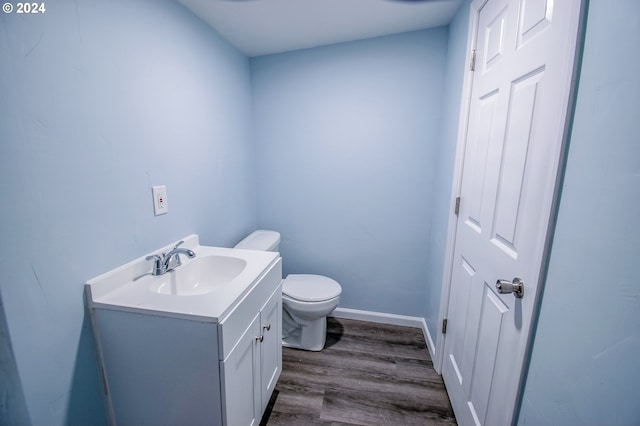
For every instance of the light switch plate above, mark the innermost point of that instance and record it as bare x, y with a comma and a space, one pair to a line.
160, 205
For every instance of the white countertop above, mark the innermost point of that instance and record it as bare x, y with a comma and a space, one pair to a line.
126, 288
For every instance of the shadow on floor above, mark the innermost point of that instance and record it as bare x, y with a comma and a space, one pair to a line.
337, 331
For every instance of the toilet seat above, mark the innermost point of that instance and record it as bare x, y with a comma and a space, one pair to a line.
310, 288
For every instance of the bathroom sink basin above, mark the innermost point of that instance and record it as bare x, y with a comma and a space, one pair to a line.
201, 275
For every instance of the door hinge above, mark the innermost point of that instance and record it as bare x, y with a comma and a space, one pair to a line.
472, 66
456, 210
444, 326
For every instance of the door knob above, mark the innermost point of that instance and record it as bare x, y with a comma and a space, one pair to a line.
516, 287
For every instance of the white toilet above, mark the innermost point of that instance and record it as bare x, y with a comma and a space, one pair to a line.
306, 299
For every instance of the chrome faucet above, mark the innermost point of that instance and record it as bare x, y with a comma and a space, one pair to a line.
163, 263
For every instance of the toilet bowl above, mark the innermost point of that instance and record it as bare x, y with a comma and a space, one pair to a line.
306, 299
306, 302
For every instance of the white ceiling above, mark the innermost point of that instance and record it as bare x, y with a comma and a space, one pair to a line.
262, 27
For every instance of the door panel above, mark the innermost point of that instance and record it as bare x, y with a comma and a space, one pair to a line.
492, 314
494, 38
535, 16
514, 159
478, 157
465, 275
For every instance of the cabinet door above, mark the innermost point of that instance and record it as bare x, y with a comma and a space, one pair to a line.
241, 379
271, 347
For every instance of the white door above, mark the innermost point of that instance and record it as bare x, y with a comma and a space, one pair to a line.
271, 347
518, 103
241, 377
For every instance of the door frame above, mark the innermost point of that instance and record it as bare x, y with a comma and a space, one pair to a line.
463, 120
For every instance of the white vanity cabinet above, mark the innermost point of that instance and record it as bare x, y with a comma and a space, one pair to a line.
251, 369
177, 367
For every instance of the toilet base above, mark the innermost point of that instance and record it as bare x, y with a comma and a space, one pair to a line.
303, 334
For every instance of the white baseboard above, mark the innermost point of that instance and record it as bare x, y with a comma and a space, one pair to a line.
392, 319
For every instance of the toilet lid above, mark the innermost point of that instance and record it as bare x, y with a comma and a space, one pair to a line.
310, 288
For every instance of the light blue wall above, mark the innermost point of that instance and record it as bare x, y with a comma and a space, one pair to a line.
100, 101
13, 408
346, 143
441, 200
584, 366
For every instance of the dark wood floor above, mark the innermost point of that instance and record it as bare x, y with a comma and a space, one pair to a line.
368, 374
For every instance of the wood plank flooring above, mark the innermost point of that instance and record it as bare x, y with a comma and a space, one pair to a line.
368, 374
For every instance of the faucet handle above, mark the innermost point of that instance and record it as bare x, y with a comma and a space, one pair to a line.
178, 244
158, 267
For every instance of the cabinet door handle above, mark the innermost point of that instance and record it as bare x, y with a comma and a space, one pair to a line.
267, 327
260, 338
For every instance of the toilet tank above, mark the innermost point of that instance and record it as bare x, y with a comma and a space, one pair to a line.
260, 240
